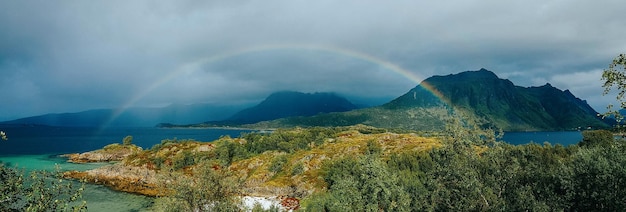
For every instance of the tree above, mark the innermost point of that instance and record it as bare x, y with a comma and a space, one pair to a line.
42, 191
615, 77
597, 138
361, 183
127, 140
210, 188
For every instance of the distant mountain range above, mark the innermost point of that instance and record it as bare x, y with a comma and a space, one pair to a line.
134, 117
499, 101
280, 105
290, 104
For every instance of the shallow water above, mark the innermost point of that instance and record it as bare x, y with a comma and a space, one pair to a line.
37, 148
99, 198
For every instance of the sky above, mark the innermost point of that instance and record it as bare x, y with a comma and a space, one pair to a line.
70, 56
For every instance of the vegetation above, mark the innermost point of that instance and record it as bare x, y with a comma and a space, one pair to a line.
360, 168
482, 93
615, 78
128, 140
500, 177
210, 188
41, 191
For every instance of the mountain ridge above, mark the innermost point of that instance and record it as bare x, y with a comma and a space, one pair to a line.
425, 107
132, 117
499, 101
291, 104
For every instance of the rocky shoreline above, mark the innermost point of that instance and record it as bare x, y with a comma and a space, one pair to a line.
117, 176
155, 171
110, 153
137, 180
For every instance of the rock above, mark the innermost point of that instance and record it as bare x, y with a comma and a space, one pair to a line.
112, 152
139, 180
290, 203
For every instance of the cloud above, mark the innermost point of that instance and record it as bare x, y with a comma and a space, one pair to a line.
63, 57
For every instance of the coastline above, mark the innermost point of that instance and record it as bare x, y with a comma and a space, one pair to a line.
219, 128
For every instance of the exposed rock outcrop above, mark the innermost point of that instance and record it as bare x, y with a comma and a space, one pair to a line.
139, 180
110, 153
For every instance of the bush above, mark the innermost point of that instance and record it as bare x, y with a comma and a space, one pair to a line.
127, 140
183, 159
360, 184
597, 138
42, 191
212, 188
297, 169
278, 163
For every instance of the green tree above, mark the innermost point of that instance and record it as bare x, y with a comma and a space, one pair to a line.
360, 184
128, 140
42, 191
278, 163
615, 78
599, 179
211, 188
597, 138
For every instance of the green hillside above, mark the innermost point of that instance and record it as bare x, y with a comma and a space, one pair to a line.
501, 103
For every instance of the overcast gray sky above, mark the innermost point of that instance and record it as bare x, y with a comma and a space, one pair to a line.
69, 56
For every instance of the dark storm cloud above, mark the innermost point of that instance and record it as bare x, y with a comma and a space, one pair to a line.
77, 55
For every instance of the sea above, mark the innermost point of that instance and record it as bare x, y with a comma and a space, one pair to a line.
38, 148
32, 148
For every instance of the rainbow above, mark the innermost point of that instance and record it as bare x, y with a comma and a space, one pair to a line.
196, 65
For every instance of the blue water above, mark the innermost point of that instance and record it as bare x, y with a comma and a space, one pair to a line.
564, 138
37, 148
59, 140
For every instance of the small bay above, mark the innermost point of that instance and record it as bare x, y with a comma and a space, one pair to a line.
32, 148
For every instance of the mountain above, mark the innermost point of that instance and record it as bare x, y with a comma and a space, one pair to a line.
499, 101
502, 103
292, 104
134, 117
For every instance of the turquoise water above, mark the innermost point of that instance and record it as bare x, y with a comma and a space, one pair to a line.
99, 198
37, 148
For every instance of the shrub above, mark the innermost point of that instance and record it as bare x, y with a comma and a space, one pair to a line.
597, 138
42, 191
360, 184
183, 159
212, 188
297, 169
278, 163
127, 140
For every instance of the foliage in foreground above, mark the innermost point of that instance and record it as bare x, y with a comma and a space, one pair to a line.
41, 191
210, 188
615, 78
500, 177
